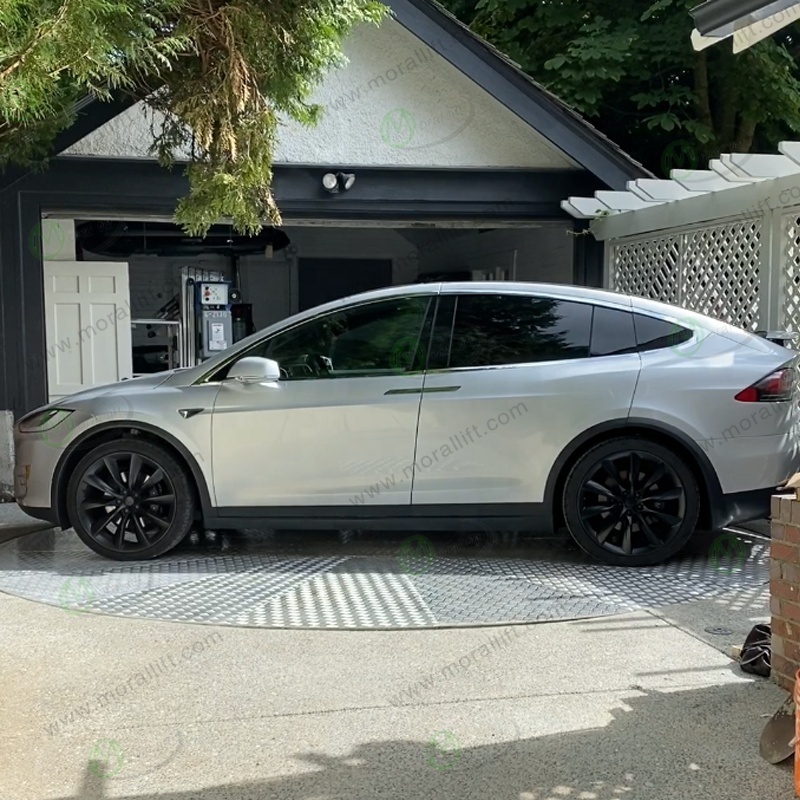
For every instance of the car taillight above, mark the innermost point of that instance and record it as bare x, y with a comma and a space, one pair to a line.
777, 387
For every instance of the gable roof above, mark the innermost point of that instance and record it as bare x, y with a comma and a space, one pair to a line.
509, 84
482, 63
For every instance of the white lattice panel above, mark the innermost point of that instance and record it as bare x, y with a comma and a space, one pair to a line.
791, 272
712, 270
720, 272
647, 268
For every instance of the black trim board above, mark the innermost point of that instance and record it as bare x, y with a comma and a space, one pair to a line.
517, 91
589, 258
91, 115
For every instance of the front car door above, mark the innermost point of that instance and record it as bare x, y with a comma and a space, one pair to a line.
339, 428
512, 379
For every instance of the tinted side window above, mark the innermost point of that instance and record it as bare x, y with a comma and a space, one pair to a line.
492, 330
375, 338
655, 334
612, 332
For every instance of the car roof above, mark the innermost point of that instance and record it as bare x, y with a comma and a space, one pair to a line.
559, 290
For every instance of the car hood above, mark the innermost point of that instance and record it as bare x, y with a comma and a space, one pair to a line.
121, 388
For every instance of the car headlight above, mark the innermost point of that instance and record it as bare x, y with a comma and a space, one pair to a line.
44, 420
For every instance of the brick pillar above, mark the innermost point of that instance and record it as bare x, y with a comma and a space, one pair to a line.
784, 573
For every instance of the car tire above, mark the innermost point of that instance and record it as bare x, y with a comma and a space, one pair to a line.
626, 523
130, 500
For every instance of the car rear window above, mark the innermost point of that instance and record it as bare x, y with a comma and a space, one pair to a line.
655, 334
612, 332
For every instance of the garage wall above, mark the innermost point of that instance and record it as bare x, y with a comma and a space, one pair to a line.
542, 254
269, 283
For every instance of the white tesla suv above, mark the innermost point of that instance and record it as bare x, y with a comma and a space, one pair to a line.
518, 405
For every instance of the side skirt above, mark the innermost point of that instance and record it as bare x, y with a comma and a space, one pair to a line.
501, 517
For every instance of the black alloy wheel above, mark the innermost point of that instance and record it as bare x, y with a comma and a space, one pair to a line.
130, 499
631, 502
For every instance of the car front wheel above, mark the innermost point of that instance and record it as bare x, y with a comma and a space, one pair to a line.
631, 502
130, 499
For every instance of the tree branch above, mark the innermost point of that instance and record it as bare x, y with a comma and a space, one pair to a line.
38, 36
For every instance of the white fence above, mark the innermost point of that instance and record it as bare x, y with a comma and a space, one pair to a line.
743, 269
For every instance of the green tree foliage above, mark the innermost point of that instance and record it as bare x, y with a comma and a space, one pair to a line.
221, 73
629, 67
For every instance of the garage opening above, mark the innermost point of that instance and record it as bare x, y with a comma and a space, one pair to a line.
130, 297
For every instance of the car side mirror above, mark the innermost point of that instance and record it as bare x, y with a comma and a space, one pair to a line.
254, 369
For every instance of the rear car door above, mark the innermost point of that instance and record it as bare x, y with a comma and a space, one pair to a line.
512, 379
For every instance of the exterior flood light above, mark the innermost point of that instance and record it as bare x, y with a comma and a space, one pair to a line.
338, 182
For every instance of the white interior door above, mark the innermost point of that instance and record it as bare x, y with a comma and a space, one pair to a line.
88, 325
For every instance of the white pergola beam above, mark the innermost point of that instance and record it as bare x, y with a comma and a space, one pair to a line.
660, 190
587, 207
791, 150
759, 165
724, 171
572, 211
623, 201
700, 180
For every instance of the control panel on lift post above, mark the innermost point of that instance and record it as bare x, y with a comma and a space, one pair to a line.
214, 316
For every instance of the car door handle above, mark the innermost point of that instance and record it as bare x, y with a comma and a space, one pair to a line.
432, 389
424, 391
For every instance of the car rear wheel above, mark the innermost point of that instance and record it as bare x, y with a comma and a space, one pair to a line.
631, 502
130, 500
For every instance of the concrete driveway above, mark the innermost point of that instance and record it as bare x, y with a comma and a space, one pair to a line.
644, 706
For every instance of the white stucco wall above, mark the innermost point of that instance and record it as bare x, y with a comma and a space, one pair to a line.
6, 455
396, 103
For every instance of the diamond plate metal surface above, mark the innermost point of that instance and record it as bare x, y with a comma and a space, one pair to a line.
357, 581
